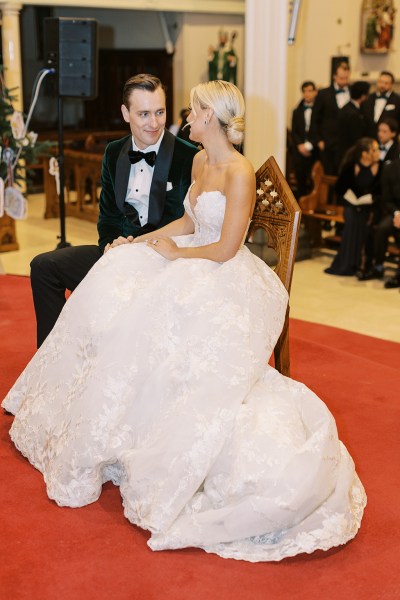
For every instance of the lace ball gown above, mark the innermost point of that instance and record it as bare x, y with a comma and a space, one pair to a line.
156, 377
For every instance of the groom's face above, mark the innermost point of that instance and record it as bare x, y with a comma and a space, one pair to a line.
146, 116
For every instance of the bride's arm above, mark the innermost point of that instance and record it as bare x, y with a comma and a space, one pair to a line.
182, 226
240, 198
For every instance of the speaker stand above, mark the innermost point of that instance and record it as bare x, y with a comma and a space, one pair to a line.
63, 242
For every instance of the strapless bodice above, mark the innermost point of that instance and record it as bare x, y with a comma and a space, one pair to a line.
207, 215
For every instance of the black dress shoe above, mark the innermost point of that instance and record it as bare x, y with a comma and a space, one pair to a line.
370, 274
393, 282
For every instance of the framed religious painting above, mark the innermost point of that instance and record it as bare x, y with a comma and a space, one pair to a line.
377, 26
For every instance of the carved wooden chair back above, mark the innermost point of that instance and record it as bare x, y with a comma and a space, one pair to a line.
278, 214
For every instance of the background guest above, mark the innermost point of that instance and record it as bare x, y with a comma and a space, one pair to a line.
382, 104
352, 124
388, 225
327, 105
358, 186
388, 142
304, 149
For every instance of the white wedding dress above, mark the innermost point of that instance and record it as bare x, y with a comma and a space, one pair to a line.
156, 377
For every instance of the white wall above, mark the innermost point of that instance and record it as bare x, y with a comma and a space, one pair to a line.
197, 33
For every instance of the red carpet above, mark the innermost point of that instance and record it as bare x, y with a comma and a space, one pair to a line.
51, 553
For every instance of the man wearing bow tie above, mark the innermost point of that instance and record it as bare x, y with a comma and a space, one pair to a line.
327, 105
304, 149
387, 137
382, 104
144, 178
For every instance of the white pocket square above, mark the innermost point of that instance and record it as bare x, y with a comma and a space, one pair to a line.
169, 186
390, 107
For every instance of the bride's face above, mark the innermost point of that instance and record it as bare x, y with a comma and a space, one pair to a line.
197, 119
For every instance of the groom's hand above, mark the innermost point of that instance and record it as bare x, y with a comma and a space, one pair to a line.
118, 242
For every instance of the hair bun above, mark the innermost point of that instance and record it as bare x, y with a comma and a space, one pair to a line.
235, 130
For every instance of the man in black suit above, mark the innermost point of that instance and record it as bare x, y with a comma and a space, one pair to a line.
382, 104
352, 124
388, 225
304, 150
144, 178
387, 137
327, 105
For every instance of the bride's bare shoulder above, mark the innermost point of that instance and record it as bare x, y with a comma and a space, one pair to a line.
241, 169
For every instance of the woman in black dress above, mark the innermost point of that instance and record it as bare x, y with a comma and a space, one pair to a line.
358, 188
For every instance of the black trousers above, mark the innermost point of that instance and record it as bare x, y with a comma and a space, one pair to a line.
383, 230
52, 273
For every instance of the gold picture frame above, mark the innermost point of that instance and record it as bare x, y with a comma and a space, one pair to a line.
377, 26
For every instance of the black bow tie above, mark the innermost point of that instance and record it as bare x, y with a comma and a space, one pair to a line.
305, 106
382, 147
340, 91
384, 96
135, 156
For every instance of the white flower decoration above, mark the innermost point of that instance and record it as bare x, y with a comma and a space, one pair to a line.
17, 125
273, 194
268, 182
260, 192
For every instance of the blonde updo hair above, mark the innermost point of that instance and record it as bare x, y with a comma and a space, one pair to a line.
227, 102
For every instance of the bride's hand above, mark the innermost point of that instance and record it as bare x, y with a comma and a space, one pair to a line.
164, 246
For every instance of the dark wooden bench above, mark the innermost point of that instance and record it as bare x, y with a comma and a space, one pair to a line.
317, 206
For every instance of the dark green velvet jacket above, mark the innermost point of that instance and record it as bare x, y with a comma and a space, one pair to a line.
173, 165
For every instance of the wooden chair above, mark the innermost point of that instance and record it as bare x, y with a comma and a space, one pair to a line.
277, 213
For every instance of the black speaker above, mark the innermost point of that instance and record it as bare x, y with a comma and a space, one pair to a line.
70, 47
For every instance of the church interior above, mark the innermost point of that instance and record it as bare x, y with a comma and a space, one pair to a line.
176, 43
276, 45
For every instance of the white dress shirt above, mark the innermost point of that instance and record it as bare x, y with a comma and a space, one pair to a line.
379, 107
139, 183
343, 97
384, 148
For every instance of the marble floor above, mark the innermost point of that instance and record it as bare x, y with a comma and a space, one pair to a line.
363, 307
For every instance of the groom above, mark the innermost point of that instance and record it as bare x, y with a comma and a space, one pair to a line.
144, 178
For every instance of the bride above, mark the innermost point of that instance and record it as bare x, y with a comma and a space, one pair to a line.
156, 377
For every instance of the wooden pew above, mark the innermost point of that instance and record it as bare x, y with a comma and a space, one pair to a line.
315, 206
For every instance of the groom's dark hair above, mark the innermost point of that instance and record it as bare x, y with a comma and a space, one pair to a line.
142, 81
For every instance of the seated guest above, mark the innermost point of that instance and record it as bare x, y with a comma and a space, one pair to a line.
358, 187
352, 124
304, 151
388, 225
387, 137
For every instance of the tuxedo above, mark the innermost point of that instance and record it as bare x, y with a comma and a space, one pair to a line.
390, 109
300, 134
326, 111
351, 126
391, 203
52, 273
173, 166
392, 154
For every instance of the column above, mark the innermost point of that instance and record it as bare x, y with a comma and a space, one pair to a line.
12, 50
266, 30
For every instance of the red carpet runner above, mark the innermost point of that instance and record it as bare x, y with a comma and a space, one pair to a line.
52, 553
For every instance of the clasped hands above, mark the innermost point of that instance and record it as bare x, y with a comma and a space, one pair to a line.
161, 244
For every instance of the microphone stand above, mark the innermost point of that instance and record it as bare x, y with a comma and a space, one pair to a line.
63, 242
